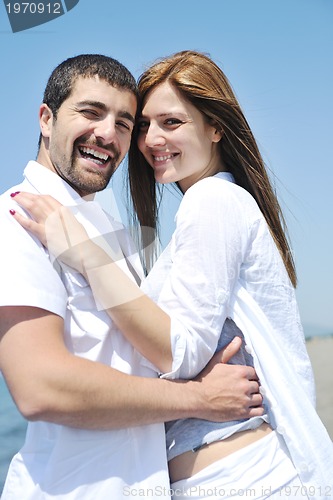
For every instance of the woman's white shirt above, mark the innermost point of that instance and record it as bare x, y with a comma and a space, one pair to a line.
222, 262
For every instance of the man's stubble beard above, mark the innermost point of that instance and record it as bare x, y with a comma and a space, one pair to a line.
83, 182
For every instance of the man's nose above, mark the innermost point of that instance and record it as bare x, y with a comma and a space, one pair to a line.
106, 130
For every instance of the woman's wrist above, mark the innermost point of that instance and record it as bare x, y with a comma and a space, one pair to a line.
92, 256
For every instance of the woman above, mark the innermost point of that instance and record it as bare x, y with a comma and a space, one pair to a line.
227, 271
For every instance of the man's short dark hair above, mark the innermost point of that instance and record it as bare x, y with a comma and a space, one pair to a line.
64, 76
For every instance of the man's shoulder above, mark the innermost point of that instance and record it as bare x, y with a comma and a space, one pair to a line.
23, 185
5, 195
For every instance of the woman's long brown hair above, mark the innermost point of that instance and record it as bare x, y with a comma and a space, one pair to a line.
202, 83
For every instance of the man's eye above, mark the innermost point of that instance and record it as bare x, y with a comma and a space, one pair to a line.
89, 112
124, 125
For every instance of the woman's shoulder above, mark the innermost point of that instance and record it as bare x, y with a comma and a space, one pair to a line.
218, 198
219, 189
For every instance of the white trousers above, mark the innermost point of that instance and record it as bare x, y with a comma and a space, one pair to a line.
261, 470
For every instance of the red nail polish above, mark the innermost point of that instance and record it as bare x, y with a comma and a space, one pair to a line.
12, 212
14, 194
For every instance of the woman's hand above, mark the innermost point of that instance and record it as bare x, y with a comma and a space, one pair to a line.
56, 228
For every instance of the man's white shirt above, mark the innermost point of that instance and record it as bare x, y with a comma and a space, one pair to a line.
59, 461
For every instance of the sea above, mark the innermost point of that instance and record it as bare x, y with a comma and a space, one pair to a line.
13, 427
12, 430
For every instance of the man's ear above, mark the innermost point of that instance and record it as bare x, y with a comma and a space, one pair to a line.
45, 120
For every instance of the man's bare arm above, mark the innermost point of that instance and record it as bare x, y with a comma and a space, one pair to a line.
48, 383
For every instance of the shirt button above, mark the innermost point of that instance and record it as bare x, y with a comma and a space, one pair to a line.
281, 429
262, 391
248, 349
303, 467
221, 297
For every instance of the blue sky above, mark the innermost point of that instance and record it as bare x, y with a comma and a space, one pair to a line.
277, 55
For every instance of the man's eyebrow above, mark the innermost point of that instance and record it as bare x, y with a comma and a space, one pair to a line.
100, 105
126, 114
95, 104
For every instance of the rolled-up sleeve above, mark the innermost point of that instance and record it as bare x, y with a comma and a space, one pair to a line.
207, 250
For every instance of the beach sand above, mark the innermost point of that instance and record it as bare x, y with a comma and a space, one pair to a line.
320, 350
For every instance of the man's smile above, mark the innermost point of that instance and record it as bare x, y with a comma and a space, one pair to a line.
100, 158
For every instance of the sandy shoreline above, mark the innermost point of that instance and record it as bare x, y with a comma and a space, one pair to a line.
320, 350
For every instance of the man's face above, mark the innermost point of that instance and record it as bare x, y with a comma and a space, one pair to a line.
91, 134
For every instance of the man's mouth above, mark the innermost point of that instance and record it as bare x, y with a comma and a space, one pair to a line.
97, 157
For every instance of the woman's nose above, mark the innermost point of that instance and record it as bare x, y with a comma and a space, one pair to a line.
154, 137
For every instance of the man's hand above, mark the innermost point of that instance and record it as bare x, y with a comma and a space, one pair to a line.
229, 392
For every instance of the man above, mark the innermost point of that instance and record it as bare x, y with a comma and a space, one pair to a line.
95, 409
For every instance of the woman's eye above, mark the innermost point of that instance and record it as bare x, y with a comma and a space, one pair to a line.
173, 121
142, 125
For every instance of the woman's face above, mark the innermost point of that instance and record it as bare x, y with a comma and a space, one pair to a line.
176, 140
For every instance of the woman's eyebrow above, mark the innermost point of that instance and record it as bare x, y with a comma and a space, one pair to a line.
169, 113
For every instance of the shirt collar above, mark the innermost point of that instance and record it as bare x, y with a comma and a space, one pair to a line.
47, 182
227, 176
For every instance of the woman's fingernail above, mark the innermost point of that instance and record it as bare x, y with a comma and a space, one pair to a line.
14, 194
12, 212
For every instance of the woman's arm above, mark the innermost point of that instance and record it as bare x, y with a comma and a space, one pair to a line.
208, 250
49, 383
206, 255
145, 325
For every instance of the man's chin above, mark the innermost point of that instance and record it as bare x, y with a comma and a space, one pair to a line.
94, 185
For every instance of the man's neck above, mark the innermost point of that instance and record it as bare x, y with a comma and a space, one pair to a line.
44, 160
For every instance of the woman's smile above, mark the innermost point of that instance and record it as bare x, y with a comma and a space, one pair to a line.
176, 139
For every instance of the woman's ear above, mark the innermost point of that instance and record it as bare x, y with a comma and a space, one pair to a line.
45, 120
217, 135
216, 131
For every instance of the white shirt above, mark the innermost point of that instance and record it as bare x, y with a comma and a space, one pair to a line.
222, 262
58, 461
